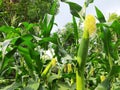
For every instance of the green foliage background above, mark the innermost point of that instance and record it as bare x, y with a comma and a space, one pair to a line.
26, 38
12, 13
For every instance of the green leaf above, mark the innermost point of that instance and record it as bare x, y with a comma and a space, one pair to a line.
88, 2
27, 41
105, 85
6, 29
65, 75
36, 58
52, 77
28, 26
7, 57
50, 25
46, 25
65, 86
32, 85
18, 41
27, 37
25, 53
9, 29
9, 54
45, 41
75, 29
116, 27
48, 39
106, 37
74, 8
115, 70
43, 25
54, 7
100, 15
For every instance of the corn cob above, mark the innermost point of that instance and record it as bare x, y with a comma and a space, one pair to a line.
46, 70
89, 28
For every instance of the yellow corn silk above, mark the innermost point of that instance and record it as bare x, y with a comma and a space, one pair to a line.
54, 61
90, 24
102, 78
69, 68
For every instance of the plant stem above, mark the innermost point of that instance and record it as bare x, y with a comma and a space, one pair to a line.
80, 80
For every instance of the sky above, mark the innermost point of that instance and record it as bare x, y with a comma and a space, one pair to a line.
106, 6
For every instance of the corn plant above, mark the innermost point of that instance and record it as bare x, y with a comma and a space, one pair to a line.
85, 55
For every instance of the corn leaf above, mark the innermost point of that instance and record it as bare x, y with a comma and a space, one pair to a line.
75, 29
116, 27
88, 2
100, 15
74, 8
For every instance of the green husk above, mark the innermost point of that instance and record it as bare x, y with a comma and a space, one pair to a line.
81, 60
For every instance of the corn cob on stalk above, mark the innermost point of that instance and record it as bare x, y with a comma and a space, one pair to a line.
46, 70
89, 28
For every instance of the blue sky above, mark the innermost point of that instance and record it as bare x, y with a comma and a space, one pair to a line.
106, 6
